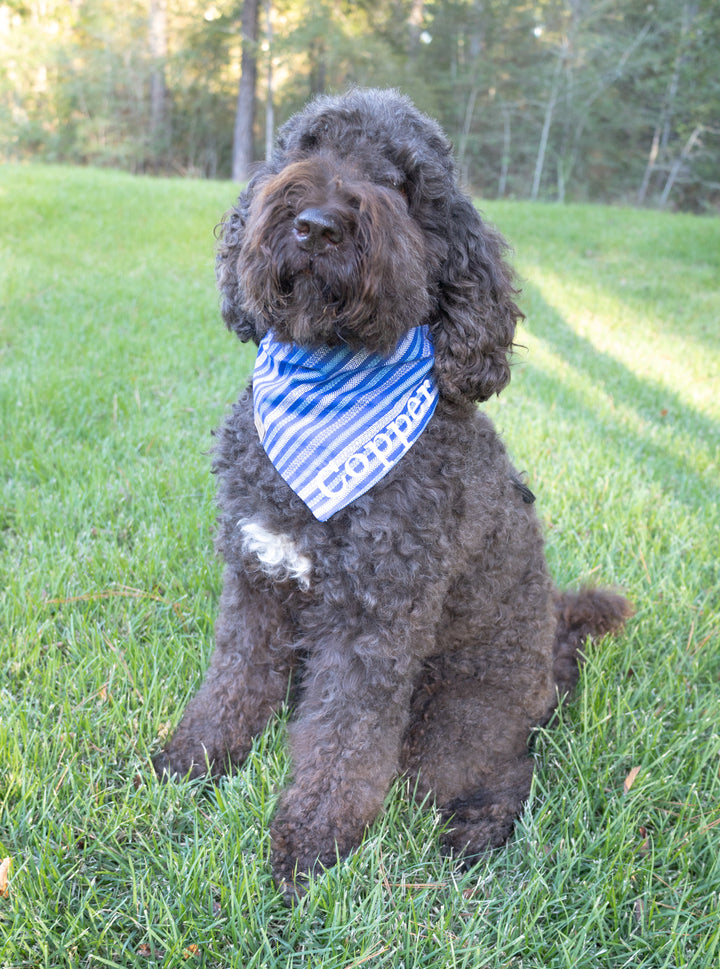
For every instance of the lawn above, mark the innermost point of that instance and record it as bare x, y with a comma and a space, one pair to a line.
114, 369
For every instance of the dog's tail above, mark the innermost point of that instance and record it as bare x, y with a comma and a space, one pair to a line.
588, 614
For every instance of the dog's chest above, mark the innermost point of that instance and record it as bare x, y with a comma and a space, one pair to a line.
274, 553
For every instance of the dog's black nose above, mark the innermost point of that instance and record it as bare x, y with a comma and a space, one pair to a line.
316, 230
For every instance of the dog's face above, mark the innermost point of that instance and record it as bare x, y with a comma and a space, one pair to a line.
332, 253
356, 231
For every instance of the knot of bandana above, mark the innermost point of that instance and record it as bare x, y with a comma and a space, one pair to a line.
334, 421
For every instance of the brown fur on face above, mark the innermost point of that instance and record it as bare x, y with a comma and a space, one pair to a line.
418, 626
367, 289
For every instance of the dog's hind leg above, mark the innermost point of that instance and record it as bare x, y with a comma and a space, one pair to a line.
467, 744
473, 711
246, 682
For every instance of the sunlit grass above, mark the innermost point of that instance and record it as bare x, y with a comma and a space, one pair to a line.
114, 369
621, 330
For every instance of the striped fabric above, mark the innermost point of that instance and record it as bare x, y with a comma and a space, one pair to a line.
334, 421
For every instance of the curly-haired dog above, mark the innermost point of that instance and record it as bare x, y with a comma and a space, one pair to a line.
380, 549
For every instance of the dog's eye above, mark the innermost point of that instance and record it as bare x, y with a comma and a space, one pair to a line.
309, 141
394, 182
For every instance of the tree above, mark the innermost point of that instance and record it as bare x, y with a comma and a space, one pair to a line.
244, 131
685, 91
157, 43
576, 99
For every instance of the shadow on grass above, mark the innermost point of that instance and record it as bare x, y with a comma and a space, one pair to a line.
663, 410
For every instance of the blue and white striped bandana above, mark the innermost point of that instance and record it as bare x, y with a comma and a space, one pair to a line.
334, 421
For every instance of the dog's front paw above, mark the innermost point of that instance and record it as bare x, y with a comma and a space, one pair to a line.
307, 837
181, 763
300, 851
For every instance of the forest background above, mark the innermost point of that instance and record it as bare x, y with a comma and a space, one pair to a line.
600, 100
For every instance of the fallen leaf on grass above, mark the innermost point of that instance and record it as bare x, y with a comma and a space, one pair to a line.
191, 951
146, 951
630, 779
4, 872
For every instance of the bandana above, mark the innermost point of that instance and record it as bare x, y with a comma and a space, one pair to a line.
334, 421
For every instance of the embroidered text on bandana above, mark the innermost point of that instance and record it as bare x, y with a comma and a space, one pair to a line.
334, 421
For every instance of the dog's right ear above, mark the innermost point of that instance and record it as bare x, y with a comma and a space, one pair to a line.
230, 234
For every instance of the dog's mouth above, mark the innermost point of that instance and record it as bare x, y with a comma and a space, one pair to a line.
312, 309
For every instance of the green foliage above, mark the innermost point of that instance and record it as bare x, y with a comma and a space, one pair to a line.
115, 366
559, 99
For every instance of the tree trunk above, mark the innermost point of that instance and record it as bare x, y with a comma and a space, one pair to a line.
650, 166
678, 164
465, 134
269, 102
414, 22
661, 135
157, 43
245, 114
547, 121
318, 66
505, 160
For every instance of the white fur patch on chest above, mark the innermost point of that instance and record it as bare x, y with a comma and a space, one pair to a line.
278, 554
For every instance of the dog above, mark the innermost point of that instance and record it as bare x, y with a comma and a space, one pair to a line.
381, 552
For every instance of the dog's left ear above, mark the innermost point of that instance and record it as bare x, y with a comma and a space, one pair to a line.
473, 332
230, 233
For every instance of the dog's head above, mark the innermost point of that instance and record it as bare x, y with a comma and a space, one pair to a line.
356, 230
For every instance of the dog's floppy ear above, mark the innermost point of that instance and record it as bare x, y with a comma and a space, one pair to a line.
230, 233
473, 332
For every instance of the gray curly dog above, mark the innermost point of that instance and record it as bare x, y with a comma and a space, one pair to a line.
415, 617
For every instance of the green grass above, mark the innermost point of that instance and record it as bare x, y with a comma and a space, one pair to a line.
114, 368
